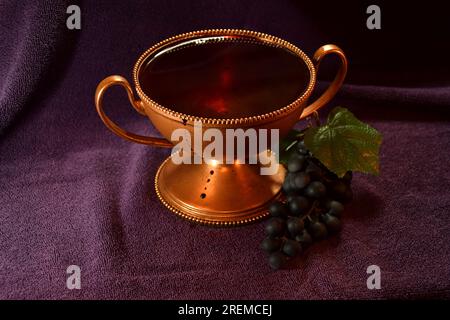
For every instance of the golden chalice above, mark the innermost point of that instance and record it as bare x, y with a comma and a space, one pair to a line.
222, 79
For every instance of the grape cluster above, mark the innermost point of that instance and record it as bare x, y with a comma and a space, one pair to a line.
314, 199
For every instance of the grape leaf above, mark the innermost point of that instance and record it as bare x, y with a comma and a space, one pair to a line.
345, 144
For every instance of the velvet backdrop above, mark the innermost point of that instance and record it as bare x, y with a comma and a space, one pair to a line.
74, 193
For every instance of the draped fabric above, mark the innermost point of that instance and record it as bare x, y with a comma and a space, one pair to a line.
72, 193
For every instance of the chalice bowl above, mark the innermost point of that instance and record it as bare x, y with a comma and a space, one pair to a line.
218, 81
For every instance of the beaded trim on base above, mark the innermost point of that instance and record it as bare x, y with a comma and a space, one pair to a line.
190, 218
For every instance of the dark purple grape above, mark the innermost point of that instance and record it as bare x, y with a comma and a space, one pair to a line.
271, 244
275, 227
333, 224
302, 148
335, 208
304, 238
314, 171
295, 226
277, 260
300, 181
295, 163
298, 205
318, 230
292, 248
287, 188
278, 209
290, 197
316, 189
289, 180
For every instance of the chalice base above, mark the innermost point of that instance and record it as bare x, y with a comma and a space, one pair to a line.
218, 195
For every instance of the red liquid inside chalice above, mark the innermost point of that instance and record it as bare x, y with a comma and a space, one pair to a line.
227, 78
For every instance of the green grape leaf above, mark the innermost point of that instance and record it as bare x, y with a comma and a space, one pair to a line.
345, 143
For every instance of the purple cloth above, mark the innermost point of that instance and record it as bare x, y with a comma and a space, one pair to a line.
30, 35
74, 193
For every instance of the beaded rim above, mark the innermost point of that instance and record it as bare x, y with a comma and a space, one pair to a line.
268, 39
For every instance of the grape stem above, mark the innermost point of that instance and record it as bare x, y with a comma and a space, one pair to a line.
313, 207
314, 117
291, 145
